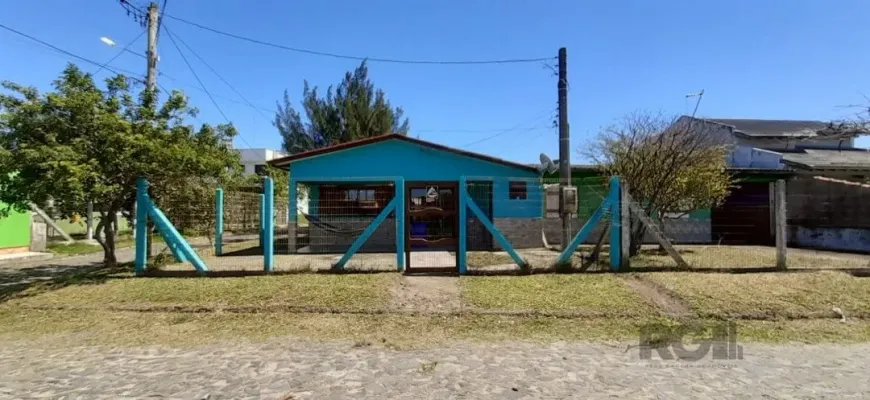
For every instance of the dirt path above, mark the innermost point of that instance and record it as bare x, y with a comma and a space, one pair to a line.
656, 295
426, 294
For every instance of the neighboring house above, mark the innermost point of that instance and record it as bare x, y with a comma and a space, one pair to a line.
19, 233
255, 160
801, 151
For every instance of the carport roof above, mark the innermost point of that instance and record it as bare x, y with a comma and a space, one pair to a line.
284, 162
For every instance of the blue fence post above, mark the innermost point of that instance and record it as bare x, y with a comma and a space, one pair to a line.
361, 239
173, 238
463, 226
568, 252
400, 224
262, 217
141, 226
219, 222
615, 224
269, 225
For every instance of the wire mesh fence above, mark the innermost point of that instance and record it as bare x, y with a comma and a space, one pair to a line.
823, 229
329, 218
827, 226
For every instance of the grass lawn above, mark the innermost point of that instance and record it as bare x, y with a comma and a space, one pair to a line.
487, 258
350, 292
594, 294
739, 257
795, 295
86, 248
67, 328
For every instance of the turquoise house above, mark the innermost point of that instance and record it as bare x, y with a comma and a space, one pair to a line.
422, 186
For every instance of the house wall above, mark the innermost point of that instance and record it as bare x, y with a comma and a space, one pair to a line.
790, 144
828, 214
392, 158
14, 231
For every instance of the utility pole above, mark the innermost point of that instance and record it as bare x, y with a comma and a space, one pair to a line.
151, 77
564, 146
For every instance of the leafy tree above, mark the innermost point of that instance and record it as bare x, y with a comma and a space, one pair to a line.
354, 110
79, 143
669, 166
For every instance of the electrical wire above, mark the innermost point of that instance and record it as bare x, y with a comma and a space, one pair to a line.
160, 19
357, 58
195, 75
73, 55
248, 103
513, 129
473, 130
102, 67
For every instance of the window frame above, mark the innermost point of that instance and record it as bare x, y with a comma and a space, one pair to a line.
515, 192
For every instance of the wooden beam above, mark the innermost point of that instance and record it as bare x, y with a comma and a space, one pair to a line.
67, 238
656, 232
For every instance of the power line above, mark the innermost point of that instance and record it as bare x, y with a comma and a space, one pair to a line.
76, 56
248, 103
160, 18
358, 58
102, 67
513, 129
475, 130
195, 75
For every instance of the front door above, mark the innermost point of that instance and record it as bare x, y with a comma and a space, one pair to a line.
431, 226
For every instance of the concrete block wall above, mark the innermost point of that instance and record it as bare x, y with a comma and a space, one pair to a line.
839, 239
522, 233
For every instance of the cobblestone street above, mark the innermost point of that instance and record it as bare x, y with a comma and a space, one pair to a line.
284, 370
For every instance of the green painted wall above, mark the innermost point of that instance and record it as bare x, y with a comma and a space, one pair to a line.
14, 229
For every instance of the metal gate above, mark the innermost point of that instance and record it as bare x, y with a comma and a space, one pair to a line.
431, 226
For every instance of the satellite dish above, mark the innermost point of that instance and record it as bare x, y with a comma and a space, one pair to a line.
547, 164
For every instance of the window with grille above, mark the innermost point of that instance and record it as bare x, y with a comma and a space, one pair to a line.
517, 190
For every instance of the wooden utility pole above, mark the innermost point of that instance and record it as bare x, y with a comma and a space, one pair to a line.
564, 146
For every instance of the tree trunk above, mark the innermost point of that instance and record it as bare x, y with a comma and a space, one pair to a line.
105, 236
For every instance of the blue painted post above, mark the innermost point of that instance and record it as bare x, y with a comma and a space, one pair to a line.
173, 238
400, 224
615, 224
262, 217
495, 232
463, 226
141, 226
269, 226
366, 234
565, 257
176, 251
219, 222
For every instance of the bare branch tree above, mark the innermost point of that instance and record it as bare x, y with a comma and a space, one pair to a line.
670, 165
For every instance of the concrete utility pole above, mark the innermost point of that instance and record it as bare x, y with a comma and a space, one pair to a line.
151, 77
564, 146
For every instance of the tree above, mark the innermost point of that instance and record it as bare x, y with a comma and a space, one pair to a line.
670, 166
79, 143
354, 110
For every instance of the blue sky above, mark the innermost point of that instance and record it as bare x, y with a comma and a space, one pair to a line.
797, 59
